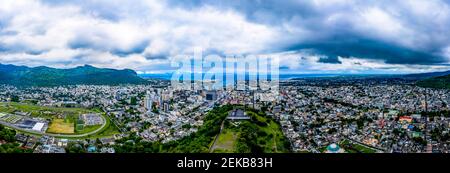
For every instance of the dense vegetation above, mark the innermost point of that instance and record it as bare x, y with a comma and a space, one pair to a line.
75, 148
7, 137
441, 82
7, 134
45, 76
261, 134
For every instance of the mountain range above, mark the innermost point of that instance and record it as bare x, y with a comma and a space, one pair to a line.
431, 80
427, 75
89, 75
435, 82
46, 76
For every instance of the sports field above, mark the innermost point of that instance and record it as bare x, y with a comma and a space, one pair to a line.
61, 126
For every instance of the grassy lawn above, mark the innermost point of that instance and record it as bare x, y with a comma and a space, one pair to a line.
226, 142
79, 127
323, 149
355, 147
363, 148
86, 129
61, 126
268, 135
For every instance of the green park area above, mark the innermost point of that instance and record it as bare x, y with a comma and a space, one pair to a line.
226, 142
260, 134
351, 147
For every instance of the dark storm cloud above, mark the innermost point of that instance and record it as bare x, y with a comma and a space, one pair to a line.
86, 43
371, 49
329, 60
257, 10
80, 44
341, 38
154, 57
284, 68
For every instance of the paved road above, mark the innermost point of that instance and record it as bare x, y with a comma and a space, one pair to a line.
55, 135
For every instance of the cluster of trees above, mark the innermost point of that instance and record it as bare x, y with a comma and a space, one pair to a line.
15, 98
441, 82
445, 113
75, 148
253, 136
13, 148
248, 139
436, 134
420, 141
133, 101
6, 134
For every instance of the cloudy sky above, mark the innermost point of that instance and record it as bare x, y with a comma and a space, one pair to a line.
309, 36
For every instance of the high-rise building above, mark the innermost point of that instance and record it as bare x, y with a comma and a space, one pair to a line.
166, 107
148, 102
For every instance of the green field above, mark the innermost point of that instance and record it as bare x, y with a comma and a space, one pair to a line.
261, 134
226, 142
355, 147
79, 127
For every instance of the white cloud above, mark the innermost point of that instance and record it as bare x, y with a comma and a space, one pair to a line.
307, 62
168, 31
142, 33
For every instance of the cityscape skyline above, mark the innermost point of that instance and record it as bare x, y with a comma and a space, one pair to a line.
243, 76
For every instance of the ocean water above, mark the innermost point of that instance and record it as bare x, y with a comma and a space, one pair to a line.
168, 76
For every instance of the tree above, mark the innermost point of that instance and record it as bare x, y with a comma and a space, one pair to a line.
420, 141
133, 101
360, 123
186, 126
13, 148
15, 98
8, 135
74, 148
